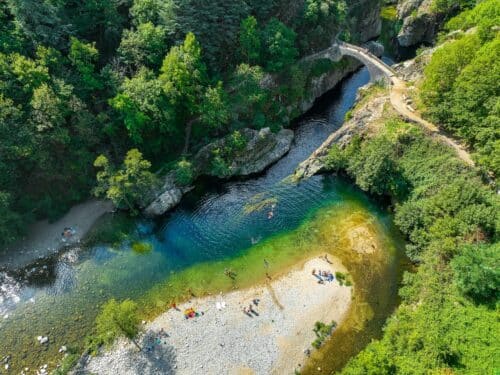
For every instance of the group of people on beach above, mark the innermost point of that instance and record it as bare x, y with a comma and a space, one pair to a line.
323, 276
250, 311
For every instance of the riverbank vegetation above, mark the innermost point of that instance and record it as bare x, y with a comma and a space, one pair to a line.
78, 80
447, 320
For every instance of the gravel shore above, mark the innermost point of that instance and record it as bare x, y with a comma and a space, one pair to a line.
44, 239
228, 341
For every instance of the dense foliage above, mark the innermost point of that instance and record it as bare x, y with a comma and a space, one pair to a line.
461, 90
80, 79
447, 321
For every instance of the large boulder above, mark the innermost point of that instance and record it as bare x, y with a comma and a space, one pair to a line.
263, 148
166, 198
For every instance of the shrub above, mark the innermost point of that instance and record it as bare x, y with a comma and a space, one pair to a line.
477, 271
322, 332
184, 172
219, 167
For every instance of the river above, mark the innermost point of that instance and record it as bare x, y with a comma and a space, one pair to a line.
216, 224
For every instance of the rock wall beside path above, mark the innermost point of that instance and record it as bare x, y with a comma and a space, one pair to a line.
420, 22
363, 121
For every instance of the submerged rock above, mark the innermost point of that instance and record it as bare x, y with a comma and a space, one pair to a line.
43, 339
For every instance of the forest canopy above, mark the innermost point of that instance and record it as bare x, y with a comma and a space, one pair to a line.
81, 79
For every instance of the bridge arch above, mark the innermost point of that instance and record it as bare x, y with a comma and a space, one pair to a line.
376, 67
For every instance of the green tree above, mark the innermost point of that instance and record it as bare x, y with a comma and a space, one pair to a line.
214, 109
375, 168
184, 172
83, 56
99, 21
29, 73
158, 12
477, 272
145, 111
320, 18
12, 38
249, 99
186, 85
442, 71
47, 111
215, 23
41, 21
127, 186
118, 319
249, 38
144, 46
279, 44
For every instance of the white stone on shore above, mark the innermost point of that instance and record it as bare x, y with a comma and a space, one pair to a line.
43, 339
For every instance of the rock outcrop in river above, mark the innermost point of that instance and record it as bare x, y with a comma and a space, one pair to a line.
262, 149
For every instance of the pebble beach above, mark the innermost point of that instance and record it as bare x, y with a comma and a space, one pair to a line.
223, 339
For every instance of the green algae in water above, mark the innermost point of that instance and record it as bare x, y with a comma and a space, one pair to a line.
258, 203
141, 247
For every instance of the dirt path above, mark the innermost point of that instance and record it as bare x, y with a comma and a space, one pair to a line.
399, 93
44, 238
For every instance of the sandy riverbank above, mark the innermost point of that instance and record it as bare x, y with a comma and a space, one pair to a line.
44, 238
227, 341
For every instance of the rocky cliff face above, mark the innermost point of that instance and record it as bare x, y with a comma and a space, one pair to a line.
363, 121
364, 19
420, 22
327, 81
